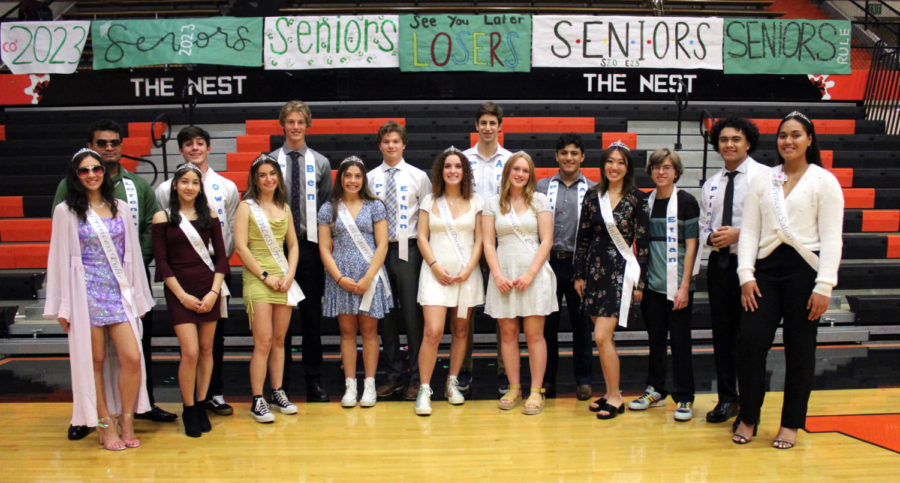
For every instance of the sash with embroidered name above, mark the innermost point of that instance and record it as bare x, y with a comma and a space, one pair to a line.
309, 170
672, 243
552, 196
294, 295
632, 268
402, 210
216, 201
112, 257
204, 253
131, 198
529, 242
785, 232
461, 253
366, 251
496, 170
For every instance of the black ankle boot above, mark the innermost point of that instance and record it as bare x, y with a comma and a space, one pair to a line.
202, 417
191, 424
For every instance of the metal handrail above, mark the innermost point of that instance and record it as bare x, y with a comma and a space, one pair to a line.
163, 138
144, 160
704, 131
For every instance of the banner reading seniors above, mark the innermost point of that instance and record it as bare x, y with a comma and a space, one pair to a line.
627, 42
446, 42
330, 42
794, 46
43, 47
218, 40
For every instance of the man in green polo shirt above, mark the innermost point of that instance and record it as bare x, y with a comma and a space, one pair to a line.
105, 137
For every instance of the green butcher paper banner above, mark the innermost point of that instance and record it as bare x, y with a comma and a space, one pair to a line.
216, 40
791, 46
328, 42
445, 42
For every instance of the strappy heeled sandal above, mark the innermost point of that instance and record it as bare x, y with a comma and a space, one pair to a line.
535, 402
511, 398
129, 442
740, 438
114, 445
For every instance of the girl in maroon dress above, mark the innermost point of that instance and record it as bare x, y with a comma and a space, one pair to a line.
193, 276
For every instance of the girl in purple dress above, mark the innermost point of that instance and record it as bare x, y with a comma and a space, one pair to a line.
97, 290
193, 276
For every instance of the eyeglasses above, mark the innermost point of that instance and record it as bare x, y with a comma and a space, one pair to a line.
84, 171
663, 167
102, 143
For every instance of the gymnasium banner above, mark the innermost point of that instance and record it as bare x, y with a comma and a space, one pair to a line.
328, 42
218, 40
445, 42
790, 46
43, 47
627, 42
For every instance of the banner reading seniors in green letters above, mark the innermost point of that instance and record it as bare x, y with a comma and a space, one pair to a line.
217, 40
790, 46
446, 42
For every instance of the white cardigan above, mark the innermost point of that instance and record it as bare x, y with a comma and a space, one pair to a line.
815, 210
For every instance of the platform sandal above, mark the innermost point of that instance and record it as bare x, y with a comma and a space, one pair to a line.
535, 402
511, 398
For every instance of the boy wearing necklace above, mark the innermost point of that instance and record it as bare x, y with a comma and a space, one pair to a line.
565, 190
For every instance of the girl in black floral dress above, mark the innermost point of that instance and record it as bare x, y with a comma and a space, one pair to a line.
601, 268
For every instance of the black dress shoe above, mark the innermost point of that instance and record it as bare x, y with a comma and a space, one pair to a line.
722, 412
78, 432
157, 414
549, 392
315, 392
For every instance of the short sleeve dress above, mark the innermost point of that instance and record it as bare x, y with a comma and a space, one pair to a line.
176, 257
351, 263
254, 289
515, 257
469, 293
597, 261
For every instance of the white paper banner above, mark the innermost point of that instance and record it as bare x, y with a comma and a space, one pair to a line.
639, 42
43, 47
329, 42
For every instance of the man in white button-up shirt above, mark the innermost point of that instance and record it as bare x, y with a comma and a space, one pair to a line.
720, 226
401, 186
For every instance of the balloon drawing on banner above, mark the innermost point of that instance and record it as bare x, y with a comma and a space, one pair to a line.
627, 42
330, 42
43, 47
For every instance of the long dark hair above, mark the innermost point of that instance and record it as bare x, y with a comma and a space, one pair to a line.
280, 195
76, 196
337, 193
627, 180
201, 204
437, 174
813, 156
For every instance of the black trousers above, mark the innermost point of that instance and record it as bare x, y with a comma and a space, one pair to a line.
215, 380
725, 311
664, 323
404, 278
582, 344
147, 345
311, 278
785, 281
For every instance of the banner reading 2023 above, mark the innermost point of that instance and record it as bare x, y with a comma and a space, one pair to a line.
446, 42
218, 40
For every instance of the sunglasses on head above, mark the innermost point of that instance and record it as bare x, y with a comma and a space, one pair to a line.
102, 143
83, 171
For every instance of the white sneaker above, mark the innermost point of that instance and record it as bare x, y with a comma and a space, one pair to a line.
260, 411
349, 399
370, 395
452, 392
684, 411
423, 400
280, 401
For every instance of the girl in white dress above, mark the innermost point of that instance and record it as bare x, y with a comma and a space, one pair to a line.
448, 279
522, 283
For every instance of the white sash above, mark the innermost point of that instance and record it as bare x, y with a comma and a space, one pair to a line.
513, 219
131, 198
402, 209
366, 251
785, 232
112, 256
632, 268
216, 200
553, 191
497, 171
450, 225
294, 295
309, 170
671, 242
204, 252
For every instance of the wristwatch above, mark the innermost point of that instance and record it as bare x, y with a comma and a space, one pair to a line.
263, 275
